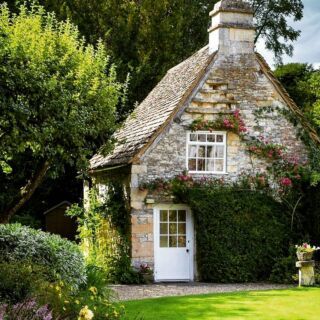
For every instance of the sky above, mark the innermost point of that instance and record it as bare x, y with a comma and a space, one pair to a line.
307, 47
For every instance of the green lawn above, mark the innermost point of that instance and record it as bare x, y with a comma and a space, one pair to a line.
290, 304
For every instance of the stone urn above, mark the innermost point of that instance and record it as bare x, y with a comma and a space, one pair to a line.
304, 256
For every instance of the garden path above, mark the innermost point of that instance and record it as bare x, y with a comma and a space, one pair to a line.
137, 292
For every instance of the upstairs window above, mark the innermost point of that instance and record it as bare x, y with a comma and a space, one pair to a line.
206, 152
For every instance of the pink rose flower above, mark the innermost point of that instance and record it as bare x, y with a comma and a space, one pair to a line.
286, 182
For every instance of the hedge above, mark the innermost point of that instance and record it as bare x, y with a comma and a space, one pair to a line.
60, 257
240, 234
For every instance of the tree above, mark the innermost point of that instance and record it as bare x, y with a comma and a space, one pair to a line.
315, 89
295, 77
148, 37
58, 98
271, 18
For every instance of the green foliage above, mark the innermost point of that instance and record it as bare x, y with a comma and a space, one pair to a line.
19, 280
58, 98
240, 234
94, 295
295, 78
284, 270
309, 213
314, 83
148, 37
62, 258
272, 24
105, 233
28, 220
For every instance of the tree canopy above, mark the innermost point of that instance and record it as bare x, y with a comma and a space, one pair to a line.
148, 37
295, 77
315, 89
58, 98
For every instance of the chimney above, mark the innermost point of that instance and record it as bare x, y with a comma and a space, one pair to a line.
232, 31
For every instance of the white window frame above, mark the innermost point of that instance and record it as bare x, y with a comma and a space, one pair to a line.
224, 133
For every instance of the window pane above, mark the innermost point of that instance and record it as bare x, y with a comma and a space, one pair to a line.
193, 137
192, 151
192, 165
163, 228
211, 138
163, 215
181, 215
210, 165
210, 151
172, 241
181, 228
163, 241
202, 137
201, 165
201, 151
172, 215
181, 241
219, 152
219, 165
173, 228
219, 138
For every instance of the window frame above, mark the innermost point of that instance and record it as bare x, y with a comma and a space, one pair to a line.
224, 133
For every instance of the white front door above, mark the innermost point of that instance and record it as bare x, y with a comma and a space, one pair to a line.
173, 243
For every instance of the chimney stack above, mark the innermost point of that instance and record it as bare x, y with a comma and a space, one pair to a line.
232, 30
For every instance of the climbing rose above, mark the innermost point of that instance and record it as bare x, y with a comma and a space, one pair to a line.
286, 182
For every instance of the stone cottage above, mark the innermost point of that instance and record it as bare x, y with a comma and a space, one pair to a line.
156, 141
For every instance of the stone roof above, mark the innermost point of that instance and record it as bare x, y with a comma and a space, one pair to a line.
154, 112
145, 123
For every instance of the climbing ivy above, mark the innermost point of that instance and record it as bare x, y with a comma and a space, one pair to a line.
105, 232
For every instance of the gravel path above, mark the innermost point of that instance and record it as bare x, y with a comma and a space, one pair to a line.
137, 292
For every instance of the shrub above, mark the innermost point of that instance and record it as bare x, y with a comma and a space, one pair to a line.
26, 219
284, 270
61, 258
240, 233
92, 298
19, 280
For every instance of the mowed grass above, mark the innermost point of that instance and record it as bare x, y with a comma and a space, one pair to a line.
290, 304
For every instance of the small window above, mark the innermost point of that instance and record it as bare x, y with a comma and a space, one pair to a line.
173, 228
206, 152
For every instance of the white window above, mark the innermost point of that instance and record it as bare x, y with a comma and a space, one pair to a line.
206, 152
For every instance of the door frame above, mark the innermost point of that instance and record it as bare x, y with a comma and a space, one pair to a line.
156, 217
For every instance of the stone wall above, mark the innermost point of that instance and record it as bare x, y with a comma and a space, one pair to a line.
235, 82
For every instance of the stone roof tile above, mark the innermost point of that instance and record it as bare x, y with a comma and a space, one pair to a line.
155, 110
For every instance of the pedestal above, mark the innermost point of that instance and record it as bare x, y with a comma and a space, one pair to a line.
306, 272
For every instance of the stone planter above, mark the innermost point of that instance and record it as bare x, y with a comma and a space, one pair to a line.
304, 256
